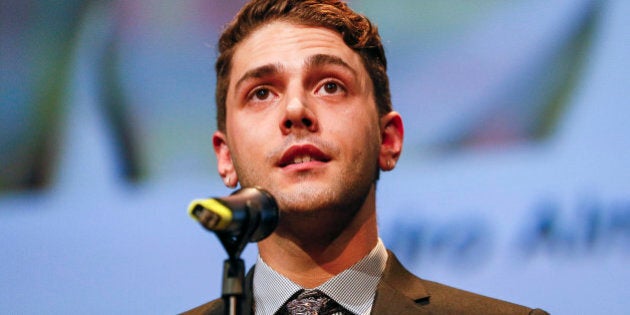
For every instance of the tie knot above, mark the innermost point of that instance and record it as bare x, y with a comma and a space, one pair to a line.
308, 303
311, 302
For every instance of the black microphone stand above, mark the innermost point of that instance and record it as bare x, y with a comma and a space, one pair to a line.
256, 216
262, 219
232, 289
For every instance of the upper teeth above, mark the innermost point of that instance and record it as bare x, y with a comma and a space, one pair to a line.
301, 159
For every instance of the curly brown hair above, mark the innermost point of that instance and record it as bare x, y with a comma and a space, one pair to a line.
356, 30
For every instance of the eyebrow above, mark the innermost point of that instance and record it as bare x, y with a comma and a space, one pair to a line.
319, 60
259, 72
311, 62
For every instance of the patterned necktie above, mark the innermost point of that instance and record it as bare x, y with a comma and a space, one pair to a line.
311, 302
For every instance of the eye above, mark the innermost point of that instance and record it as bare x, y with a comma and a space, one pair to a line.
330, 88
260, 94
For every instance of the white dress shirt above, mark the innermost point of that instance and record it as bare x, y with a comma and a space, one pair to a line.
353, 288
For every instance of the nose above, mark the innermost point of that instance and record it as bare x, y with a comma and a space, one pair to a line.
298, 116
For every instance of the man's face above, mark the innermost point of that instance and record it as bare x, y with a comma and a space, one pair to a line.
301, 119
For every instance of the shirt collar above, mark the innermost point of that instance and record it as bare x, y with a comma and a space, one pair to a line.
354, 288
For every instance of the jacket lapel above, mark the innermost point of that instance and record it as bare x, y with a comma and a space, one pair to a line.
399, 291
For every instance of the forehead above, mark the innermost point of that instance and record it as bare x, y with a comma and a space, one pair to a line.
290, 45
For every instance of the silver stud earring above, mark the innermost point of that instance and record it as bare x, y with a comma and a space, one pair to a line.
227, 181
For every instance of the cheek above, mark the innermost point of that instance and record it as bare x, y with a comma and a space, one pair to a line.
251, 137
357, 131
239, 140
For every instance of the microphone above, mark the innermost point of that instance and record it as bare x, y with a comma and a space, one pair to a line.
251, 213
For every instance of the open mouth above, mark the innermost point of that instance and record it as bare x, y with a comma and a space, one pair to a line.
301, 154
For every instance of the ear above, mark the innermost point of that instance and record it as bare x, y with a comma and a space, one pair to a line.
225, 165
392, 133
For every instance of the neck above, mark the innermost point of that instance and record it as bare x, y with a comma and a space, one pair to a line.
312, 259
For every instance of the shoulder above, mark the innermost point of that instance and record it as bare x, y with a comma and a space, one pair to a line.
399, 286
457, 301
215, 307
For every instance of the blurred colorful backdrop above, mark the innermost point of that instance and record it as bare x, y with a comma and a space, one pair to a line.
514, 180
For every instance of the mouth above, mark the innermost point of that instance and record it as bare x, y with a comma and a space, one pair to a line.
302, 154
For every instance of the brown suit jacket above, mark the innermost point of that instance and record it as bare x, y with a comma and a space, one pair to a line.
399, 292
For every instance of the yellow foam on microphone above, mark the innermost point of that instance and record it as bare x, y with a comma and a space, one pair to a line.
215, 208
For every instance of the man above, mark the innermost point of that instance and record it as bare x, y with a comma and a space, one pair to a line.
304, 111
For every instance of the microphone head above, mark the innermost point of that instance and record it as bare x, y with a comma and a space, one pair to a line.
248, 212
211, 213
261, 207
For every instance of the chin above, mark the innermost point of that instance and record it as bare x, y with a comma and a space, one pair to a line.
306, 198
